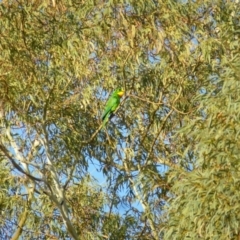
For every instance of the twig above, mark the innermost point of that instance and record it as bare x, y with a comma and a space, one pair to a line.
5, 151
163, 124
144, 100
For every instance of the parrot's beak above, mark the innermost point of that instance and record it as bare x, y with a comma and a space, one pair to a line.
120, 93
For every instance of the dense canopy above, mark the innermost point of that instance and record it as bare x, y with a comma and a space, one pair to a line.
166, 166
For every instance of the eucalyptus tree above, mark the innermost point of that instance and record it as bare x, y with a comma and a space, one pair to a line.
177, 62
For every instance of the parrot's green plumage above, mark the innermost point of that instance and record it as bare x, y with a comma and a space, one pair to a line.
112, 104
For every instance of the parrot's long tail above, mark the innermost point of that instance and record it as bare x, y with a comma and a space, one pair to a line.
107, 117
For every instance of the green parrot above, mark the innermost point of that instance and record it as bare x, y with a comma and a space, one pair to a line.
112, 105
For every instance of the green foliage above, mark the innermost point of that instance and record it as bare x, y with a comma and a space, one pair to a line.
205, 205
174, 136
